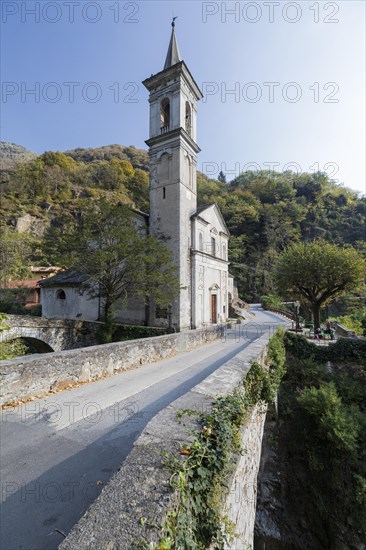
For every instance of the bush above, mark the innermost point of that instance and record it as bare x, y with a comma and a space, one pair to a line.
9, 349
262, 383
35, 311
343, 349
132, 332
322, 413
271, 300
335, 424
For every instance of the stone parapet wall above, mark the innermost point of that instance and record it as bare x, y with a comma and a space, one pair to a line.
59, 334
141, 488
341, 330
240, 505
36, 375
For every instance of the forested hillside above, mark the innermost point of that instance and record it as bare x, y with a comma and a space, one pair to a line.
264, 212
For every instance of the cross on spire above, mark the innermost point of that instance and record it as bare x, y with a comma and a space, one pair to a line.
173, 55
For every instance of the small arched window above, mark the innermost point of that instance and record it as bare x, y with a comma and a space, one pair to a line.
165, 114
60, 295
188, 118
213, 246
200, 241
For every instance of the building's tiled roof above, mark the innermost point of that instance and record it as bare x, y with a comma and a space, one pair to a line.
45, 269
204, 207
201, 209
69, 277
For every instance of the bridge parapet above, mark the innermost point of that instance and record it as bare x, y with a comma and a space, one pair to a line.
283, 312
36, 375
141, 488
58, 334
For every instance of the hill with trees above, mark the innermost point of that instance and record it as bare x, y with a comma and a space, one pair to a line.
265, 212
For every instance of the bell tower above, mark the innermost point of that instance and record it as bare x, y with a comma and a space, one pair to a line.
173, 159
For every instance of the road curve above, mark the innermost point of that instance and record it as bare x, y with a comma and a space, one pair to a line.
57, 453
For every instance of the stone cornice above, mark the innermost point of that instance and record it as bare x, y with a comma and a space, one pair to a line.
177, 133
167, 74
195, 252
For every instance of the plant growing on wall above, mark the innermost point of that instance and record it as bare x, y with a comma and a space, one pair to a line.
197, 522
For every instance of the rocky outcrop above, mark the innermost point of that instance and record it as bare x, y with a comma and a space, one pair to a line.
30, 224
12, 154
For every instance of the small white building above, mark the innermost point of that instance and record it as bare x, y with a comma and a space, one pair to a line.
197, 236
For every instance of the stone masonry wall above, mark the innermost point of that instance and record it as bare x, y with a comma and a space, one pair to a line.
141, 488
36, 375
59, 334
240, 505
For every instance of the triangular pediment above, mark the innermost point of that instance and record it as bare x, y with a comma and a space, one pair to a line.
215, 286
205, 213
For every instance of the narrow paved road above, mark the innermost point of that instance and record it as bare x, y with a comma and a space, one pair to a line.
58, 453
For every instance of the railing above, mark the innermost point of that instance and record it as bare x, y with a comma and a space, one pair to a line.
283, 312
164, 129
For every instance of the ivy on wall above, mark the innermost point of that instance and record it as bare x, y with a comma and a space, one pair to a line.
199, 475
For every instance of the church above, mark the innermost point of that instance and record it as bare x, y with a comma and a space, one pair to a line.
197, 236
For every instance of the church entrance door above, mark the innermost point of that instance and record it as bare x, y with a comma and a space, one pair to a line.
214, 308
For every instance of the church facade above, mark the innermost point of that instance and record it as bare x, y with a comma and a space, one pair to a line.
197, 236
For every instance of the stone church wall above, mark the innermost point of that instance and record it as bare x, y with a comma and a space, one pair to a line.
76, 305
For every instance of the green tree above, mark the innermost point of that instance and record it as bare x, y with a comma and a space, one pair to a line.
317, 273
15, 249
221, 177
9, 348
119, 262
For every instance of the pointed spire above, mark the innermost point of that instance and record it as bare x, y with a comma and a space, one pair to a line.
173, 55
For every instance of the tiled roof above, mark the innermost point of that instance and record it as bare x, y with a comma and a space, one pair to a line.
69, 277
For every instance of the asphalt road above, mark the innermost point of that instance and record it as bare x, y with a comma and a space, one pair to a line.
57, 453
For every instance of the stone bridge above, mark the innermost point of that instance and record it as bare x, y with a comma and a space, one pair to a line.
156, 378
46, 335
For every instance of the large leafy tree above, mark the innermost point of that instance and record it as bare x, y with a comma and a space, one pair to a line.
119, 261
318, 272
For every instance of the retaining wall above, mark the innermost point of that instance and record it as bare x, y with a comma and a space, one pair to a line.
36, 375
141, 488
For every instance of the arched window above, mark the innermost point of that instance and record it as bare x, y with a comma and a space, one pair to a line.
200, 241
164, 115
188, 118
60, 295
189, 171
213, 246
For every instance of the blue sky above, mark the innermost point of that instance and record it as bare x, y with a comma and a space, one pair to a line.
296, 70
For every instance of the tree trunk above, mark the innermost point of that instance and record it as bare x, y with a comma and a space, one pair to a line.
316, 315
108, 322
